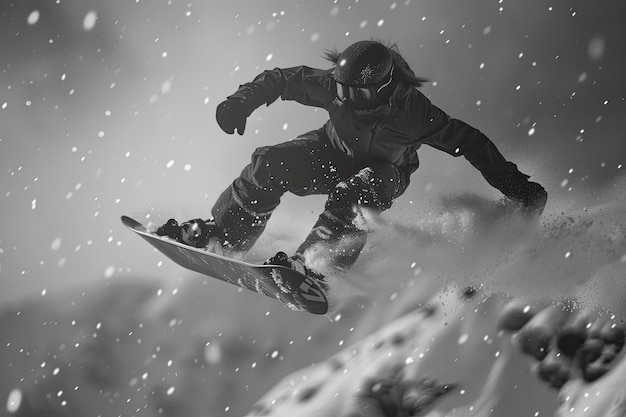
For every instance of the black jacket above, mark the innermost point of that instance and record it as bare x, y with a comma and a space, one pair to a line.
390, 133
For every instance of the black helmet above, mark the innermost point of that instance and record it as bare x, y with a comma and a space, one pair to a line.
362, 72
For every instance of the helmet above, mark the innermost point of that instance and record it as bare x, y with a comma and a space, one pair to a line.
363, 72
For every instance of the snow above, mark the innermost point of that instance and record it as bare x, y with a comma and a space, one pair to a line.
110, 270
14, 400
166, 86
56, 244
33, 17
89, 22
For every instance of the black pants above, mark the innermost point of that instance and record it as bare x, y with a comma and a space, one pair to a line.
305, 166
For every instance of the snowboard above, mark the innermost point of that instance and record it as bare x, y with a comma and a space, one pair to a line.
296, 290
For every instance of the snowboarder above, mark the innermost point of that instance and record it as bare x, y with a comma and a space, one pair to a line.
362, 157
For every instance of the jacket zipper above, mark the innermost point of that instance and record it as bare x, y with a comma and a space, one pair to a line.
371, 136
391, 129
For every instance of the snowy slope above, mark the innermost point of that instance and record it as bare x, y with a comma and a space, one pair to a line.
417, 366
561, 322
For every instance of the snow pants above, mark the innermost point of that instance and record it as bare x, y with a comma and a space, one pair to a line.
305, 166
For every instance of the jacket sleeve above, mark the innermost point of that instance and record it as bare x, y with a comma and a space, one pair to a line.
457, 138
305, 85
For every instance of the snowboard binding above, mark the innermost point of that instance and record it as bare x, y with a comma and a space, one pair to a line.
195, 233
298, 264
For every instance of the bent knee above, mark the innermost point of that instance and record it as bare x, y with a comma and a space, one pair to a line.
373, 187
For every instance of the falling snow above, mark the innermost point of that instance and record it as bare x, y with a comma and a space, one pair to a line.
56, 244
33, 17
14, 400
166, 86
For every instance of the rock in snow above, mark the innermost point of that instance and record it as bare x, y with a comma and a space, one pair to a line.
462, 361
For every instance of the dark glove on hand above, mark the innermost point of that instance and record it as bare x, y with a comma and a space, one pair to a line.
231, 114
530, 195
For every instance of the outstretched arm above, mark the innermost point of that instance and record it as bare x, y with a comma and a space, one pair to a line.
305, 85
458, 138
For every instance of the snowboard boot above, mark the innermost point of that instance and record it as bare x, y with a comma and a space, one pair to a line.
196, 233
298, 264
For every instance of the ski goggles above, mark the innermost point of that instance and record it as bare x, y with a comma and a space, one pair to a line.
363, 97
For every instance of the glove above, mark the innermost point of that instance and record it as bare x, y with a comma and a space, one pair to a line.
516, 187
231, 114
531, 195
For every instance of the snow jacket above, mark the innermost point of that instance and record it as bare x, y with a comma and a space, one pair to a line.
390, 133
